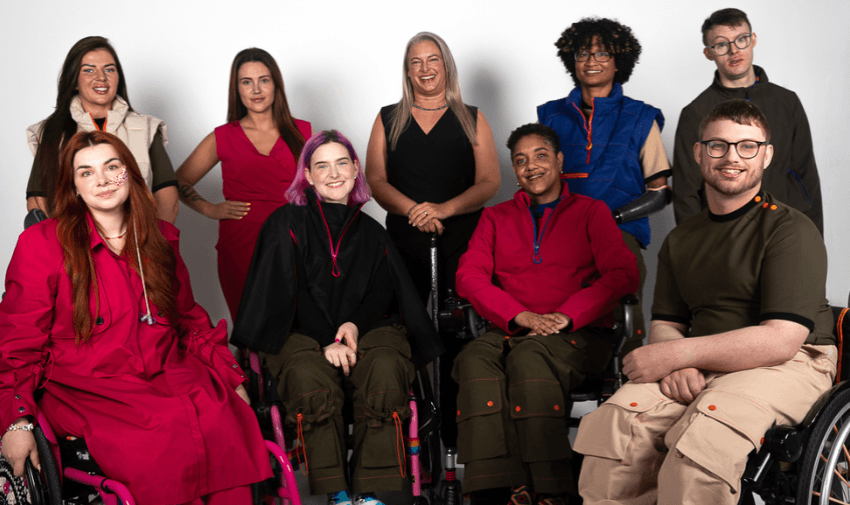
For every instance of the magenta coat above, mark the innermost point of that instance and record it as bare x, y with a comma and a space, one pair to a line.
156, 403
577, 265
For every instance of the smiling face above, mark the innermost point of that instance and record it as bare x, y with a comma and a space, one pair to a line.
538, 168
256, 87
97, 83
731, 175
426, 70
594, 74
100, 178
332, 172
737, 64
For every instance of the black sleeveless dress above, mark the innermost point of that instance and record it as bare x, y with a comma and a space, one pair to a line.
431, 168
434, 168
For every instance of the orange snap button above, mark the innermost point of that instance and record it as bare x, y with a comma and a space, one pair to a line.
573, 341
765, 205
633, 404
639, 332
557, 407
490, 404
762, 440
518, 408
458, 412
758, 198
773, 207
712, 407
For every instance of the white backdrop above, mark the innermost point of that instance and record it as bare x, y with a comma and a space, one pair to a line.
341, 61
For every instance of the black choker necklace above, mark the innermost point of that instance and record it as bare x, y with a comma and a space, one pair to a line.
432, 110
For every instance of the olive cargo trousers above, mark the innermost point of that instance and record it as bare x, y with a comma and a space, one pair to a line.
313, 395
513, 404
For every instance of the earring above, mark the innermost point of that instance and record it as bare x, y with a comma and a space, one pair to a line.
518, 185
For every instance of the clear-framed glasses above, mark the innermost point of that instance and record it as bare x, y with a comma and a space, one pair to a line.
743, 41
600, 56
746, 149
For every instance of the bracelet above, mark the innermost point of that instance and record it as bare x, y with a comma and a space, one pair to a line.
23, 427
410, 209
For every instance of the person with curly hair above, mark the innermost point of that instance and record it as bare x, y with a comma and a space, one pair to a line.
611, 143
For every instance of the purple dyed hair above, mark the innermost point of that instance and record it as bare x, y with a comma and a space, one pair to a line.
295, 194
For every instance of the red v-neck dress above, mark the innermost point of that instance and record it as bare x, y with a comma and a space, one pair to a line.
248, 176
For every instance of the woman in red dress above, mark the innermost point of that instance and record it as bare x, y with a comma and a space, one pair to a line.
99, 312
258, 149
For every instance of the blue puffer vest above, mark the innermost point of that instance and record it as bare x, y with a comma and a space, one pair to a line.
601, 155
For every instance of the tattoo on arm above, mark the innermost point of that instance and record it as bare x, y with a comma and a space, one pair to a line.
188, 193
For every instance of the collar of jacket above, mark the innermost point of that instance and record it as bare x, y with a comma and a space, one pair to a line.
761, 78
313, 202
521, 197
114, 118
94, 237
600, 104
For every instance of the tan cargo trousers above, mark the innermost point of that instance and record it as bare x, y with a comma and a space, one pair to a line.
312, 389
641, 447
514, 396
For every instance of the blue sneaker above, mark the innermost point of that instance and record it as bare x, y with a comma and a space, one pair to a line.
367, 499
339, 498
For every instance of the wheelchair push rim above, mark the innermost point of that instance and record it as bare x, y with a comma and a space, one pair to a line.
829, 482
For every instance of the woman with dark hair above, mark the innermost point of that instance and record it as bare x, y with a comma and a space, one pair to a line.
93, 96
611, 143
99, 314
329, 304
258, 149
432, 166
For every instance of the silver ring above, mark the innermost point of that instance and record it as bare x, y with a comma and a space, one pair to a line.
425, 213
230, 212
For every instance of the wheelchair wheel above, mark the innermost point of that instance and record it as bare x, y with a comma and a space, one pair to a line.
825, 465
51, 471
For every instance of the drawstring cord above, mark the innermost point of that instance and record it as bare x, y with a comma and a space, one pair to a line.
301, 438
399, 446
335, 251
146, 318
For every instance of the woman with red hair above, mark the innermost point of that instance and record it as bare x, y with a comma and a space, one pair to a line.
99, 313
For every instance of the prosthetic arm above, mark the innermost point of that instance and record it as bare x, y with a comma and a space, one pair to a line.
651, 201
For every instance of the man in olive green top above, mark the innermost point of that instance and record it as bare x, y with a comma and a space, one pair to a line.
740, 339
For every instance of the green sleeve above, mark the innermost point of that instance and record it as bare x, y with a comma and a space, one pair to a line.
668, 304
161, 168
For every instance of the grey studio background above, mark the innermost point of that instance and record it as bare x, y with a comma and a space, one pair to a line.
341, 61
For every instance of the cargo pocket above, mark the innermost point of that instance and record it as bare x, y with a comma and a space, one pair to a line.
537, 408
607, 431
481, 432
310, 415
721, 434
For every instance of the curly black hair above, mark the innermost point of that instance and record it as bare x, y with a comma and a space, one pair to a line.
618, 40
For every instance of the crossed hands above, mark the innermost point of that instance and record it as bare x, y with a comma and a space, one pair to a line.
651, 363
542, 324
343, 352
427, 216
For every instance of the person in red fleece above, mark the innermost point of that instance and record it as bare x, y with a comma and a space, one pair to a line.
547, 269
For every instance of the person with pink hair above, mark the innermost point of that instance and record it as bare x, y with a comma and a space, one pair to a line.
328, 301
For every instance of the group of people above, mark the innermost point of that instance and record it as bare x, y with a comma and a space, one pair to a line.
99, 321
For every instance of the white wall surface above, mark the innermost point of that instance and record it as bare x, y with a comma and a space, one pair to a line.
341, 61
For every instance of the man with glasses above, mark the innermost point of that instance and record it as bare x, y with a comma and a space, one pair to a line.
793, 178
740, 339
611, 143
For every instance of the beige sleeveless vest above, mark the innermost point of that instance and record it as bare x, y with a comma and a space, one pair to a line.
134, 129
